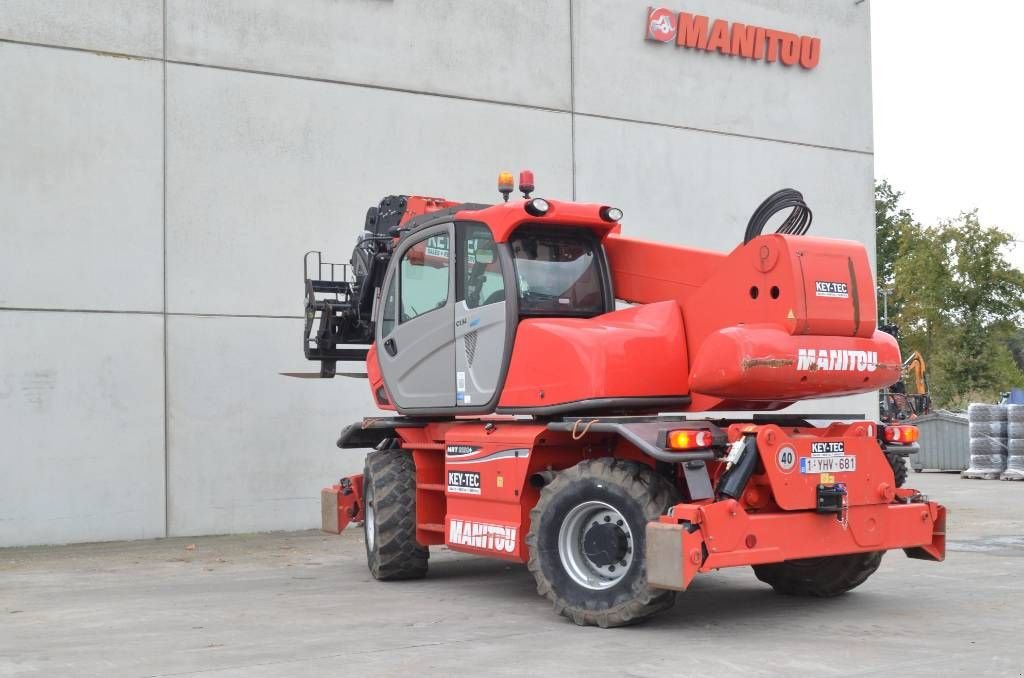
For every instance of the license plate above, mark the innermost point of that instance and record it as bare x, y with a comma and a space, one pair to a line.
828, 464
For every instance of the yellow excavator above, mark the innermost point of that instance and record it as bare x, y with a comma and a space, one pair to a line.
907, 398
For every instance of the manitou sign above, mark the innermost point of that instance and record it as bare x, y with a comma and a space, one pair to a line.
696, 31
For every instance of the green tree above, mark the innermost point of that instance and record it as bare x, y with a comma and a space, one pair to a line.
890, 221
958, 301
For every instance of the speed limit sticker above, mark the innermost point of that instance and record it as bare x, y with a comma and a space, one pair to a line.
786, 458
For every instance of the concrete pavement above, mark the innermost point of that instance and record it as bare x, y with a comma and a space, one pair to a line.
303, 604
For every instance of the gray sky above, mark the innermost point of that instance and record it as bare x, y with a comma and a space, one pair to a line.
949, 108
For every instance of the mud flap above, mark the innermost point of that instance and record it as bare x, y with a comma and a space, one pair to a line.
674, 554
341, 504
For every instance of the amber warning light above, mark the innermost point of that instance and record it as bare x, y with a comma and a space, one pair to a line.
506, 184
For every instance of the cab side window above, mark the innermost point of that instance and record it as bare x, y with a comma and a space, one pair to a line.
387, 319
479, 269
424, 272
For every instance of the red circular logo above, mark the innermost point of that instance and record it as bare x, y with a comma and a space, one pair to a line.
662, 25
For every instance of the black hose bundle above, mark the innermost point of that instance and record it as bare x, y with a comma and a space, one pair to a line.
797, 223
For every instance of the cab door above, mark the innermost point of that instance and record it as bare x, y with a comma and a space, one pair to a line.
415, 333
481, 318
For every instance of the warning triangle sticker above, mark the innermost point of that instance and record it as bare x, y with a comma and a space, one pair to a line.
790, 315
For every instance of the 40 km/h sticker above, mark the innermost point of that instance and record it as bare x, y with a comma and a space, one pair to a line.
786, 458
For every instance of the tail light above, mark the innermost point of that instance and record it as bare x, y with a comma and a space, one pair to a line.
689, 439
901, 433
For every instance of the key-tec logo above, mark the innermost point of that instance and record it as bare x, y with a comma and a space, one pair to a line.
696, 31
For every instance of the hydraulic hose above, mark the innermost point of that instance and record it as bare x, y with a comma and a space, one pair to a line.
797, 223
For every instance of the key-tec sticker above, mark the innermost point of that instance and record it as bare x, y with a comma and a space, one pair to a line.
825, 449
463, 482
836, 290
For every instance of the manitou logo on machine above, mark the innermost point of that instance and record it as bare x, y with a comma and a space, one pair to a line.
482, 536
696, 31
836, 360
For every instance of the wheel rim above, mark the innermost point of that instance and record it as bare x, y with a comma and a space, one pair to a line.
595, 545
368, 526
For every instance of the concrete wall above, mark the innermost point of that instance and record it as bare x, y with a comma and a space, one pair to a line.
164, 165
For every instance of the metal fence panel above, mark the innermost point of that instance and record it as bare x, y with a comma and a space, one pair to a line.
945, 442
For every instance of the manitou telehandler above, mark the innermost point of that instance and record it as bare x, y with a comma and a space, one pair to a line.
528, 351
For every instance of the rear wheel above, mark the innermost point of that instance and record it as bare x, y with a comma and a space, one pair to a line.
389, 496
820, 577
899, 468
587, 541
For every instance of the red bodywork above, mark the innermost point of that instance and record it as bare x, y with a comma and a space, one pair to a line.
779, 319
774, 519
728, 331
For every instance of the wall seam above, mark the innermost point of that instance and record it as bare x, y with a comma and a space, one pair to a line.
172, 314
572, 97
456, 97
167, 437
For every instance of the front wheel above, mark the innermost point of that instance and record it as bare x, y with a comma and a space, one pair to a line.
587, 541
820, 577
389, 525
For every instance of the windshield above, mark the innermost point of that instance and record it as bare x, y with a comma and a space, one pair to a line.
557, 273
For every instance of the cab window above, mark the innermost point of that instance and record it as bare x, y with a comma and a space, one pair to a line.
387, 320
479, 270
557, 272
424, 271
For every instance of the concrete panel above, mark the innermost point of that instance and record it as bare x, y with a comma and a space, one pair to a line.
699, 189
81, 165
123, 26
250, 449
499, 50
618, 73
262, 169
696, 188
82, 421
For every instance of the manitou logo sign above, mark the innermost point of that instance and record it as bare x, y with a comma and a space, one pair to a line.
482, 536
836, 360
696, 31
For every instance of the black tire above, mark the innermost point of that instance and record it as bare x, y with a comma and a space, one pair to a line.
639, 495
820, 577
389, 493
899, 468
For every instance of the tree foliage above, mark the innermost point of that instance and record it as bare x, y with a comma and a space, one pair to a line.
955, 297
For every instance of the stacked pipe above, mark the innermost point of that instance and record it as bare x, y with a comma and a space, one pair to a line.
987, 425
1015, 443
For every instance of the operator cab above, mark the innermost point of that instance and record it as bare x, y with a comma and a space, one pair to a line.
458, 285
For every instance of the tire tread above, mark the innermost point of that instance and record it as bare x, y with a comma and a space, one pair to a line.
653, 493
396, 553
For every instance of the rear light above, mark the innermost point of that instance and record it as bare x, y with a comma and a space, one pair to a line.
537, 207
689, 439
901, 434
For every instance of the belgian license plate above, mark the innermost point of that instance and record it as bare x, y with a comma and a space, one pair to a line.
840, 464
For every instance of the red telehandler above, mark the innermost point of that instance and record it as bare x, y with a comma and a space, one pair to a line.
527, 351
